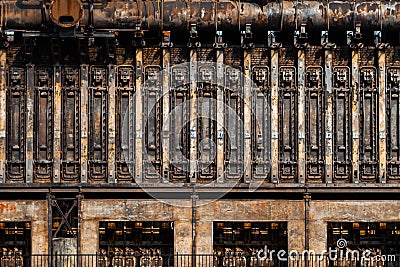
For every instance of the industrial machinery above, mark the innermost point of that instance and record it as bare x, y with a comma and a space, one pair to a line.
257, 99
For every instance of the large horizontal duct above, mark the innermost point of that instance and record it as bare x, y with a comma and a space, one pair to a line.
207, 15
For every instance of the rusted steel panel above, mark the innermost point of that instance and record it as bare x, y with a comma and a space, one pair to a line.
166, 58
98, 124
16, 124
368, 99
275, 115
3, 113
57, 109
43, 124
139, 115
152, 110
222, 138
301, 108
207, 118
392, 125
234, 134
288, 124
111, 123
30, 105
247, 111
328, 131
261, 123
70, 125
84, 117
193, 114
355, 111
342, 107
125, 115
342, 124
382, 128
315, 116
179, 123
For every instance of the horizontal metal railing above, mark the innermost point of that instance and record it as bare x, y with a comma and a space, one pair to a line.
189, 260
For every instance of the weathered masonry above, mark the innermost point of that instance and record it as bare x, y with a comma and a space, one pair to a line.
195, 127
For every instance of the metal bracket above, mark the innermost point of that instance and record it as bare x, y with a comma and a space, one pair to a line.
246, 37
193, 36
325, 41
354, 39
378, 41
272, 43
138, 36
218, 41
166, 39
301, 37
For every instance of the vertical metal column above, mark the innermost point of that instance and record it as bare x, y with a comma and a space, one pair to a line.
328, 116
355, 54
30, 98
111, 124
84, 122
247, 114
220, 115
193, 116
166, 112
139, 115
275, 114
301, 115
382, 114
57, 124
3, 105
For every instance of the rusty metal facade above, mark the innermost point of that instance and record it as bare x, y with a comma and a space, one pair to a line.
132, 95
31, 102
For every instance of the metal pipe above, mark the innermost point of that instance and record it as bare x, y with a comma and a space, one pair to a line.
232, 15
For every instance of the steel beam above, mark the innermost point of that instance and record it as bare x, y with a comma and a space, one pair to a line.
275, 115
30, 98
111, 124
220, 115
193, 116
248, 88
382, 114
57, 124
355, 70
328, 117
84, 122
166, 132
301, 115
139, 115
3, 111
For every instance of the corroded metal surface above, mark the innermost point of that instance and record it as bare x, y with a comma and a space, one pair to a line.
208, 15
